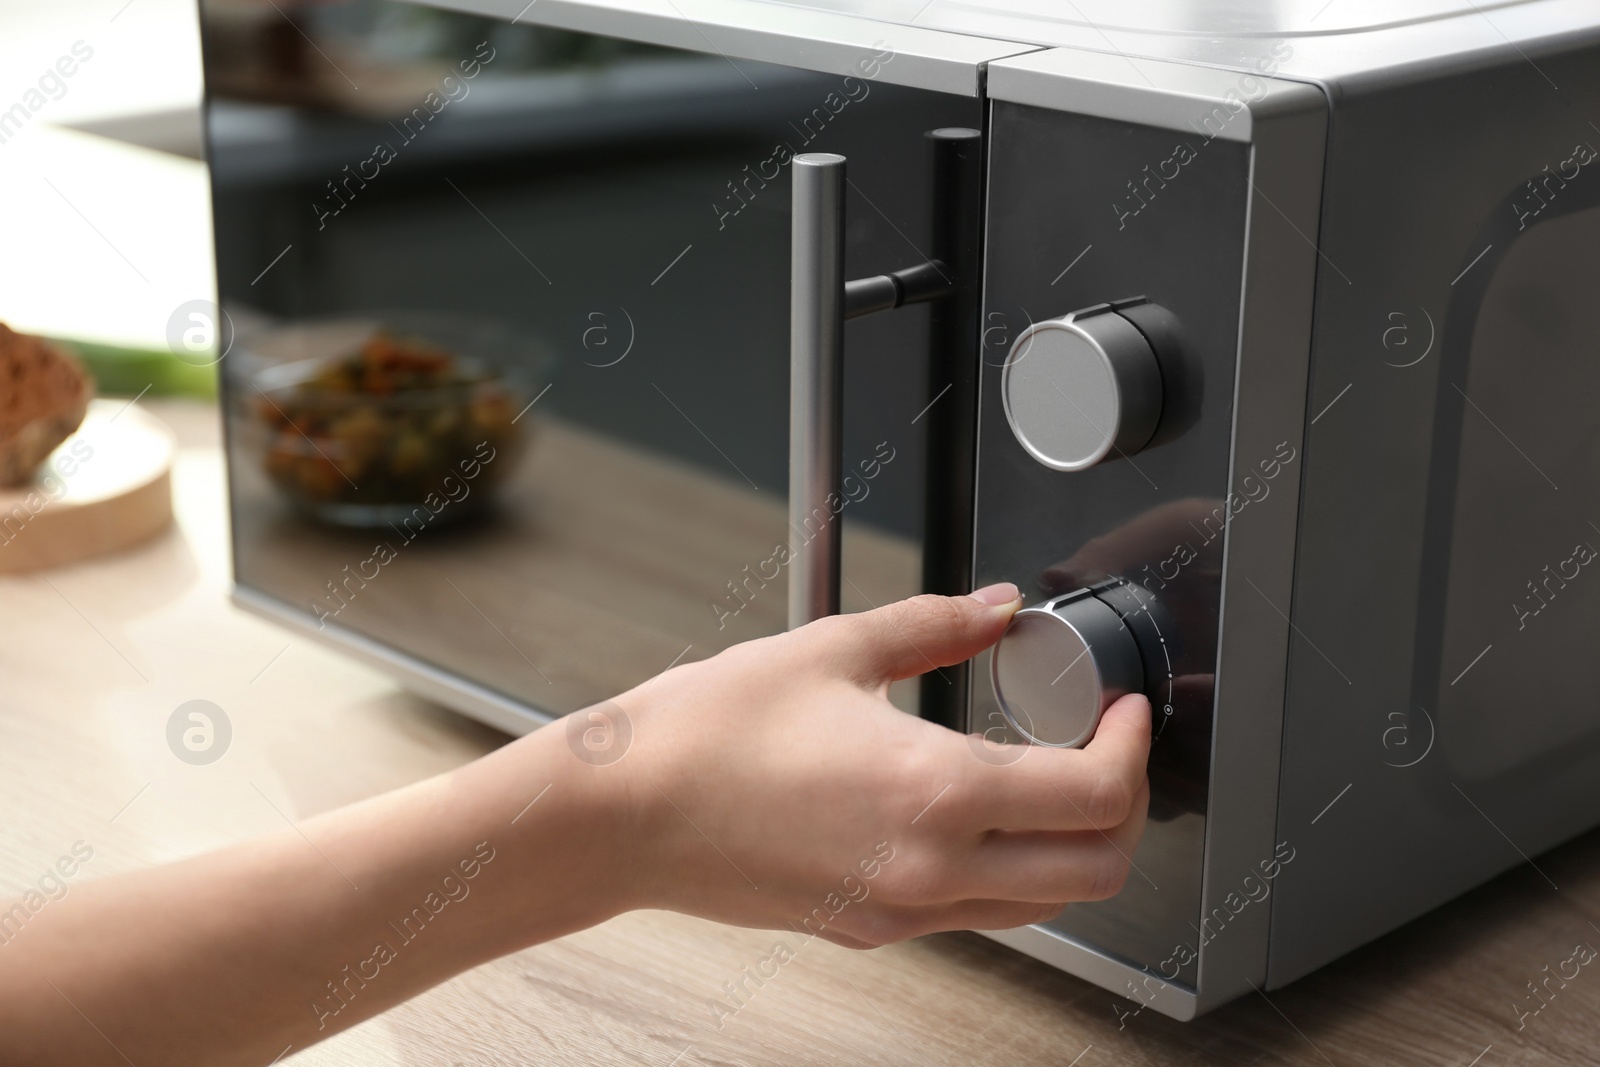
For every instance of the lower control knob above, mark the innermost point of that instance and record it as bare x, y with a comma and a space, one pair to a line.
1061, 664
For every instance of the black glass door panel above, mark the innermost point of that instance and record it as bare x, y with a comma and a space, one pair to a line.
510, 386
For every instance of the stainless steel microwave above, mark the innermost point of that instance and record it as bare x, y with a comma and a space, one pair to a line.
1254, 341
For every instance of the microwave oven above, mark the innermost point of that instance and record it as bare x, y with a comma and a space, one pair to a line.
1253, 341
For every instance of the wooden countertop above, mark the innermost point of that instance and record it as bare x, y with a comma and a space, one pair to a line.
95, 658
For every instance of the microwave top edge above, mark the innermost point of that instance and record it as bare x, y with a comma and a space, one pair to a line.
813, 39
946, 44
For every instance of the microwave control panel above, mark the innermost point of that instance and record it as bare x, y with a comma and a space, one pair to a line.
1110, 331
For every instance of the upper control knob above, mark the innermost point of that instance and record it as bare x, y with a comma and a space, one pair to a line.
1061, 664
1082, 387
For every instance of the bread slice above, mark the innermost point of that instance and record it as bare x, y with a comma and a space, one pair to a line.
44, 392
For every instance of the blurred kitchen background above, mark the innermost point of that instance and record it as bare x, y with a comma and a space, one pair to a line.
120, 211
474, 212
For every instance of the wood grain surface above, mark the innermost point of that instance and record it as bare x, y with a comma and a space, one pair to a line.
95, 658
105, 488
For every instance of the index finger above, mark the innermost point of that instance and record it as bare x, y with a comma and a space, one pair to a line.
1092, 788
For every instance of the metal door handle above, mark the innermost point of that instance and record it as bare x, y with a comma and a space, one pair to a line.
820, 300
816, 373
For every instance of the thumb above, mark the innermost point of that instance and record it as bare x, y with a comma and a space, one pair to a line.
914, 636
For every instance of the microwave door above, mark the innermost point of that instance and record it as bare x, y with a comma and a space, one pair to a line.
821, 483
508, 405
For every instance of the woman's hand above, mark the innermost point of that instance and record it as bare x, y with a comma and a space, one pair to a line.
774, 785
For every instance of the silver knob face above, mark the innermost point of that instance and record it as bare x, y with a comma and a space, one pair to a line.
1060, 665
1081, 388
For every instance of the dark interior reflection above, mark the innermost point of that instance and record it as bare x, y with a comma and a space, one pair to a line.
558, 263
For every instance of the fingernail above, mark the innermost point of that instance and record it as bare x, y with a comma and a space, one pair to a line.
996, 594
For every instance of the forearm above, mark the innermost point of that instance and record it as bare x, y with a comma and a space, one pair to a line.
769, 786
231, 957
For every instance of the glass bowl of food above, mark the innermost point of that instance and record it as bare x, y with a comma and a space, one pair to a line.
374, 422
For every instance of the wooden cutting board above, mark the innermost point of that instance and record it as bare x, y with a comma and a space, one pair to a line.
108, 487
